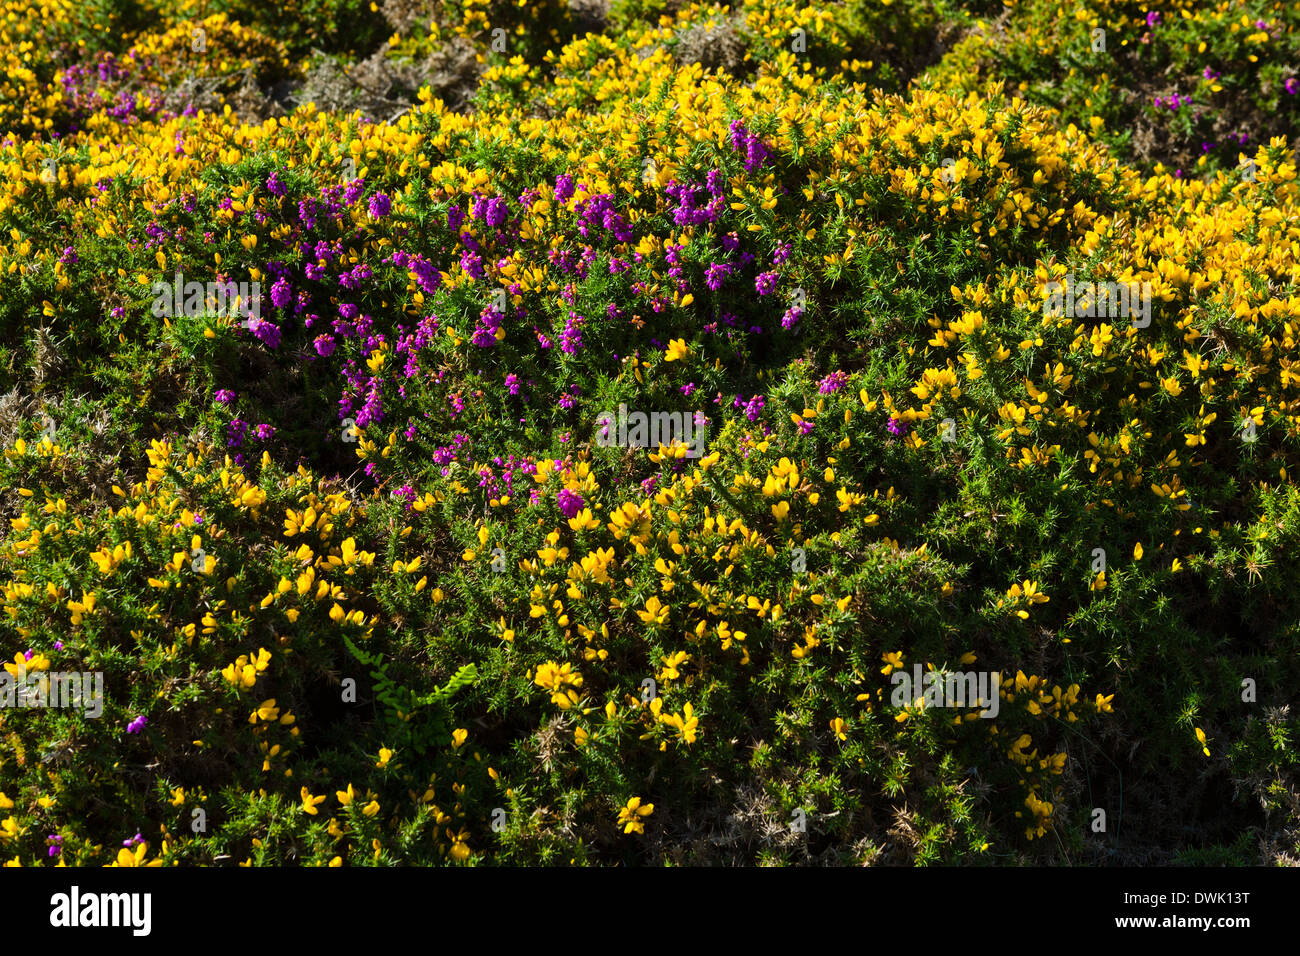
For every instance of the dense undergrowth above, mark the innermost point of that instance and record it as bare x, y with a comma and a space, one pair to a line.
366, 582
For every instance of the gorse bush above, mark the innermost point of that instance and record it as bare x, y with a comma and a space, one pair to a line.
982, 558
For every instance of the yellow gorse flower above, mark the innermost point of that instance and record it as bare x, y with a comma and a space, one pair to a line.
310, 802
631, 817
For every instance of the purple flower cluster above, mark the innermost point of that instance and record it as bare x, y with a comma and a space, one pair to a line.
472, 263
137, 725
687, 213
571, 337
372, 409
485, 332
281, 292
832, 383
353, 278
492, 482
570, 398
753, 408
570, 502
716, 274
448, 453
236, 432
597, 212
493, 211
756, 154
268, 332
563, 187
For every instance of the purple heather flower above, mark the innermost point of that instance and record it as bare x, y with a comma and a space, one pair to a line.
742, 140
1153, 19
137, 725
715, 274
264, 432
571, 337
1291, 85
268, 332
491, 211
235, 432
563, 187
472, 263
455, 217
832, 383
224, 395
380, 205
570, 502
895, 426
280, 293
352, 191
766, 283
